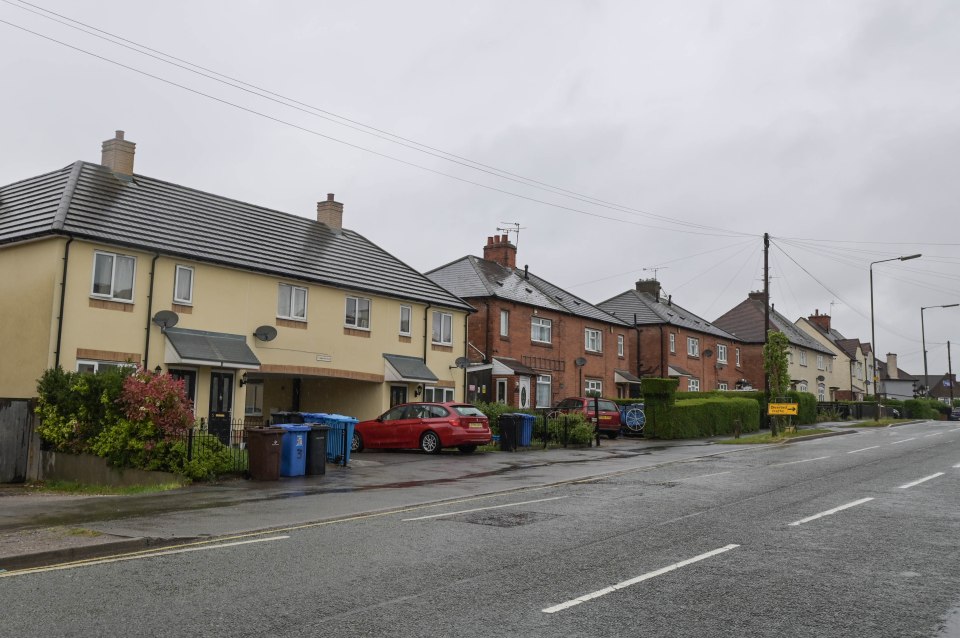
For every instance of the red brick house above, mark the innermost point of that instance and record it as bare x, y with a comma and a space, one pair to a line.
674, 342
531, 343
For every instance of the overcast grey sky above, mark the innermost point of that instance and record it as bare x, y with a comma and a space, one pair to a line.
701, 125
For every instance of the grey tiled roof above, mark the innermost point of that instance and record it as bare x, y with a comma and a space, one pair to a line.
471, 277
746, 322
87, 201
201, 345
650, 311
410, 367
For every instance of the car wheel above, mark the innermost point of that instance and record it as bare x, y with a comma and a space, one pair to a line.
467, 449
356, 445
430, 443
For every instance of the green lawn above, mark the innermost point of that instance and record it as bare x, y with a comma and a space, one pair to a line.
884, 422
766, 438
73, 487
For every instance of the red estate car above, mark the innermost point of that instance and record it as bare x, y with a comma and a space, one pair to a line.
609, 420
428, 426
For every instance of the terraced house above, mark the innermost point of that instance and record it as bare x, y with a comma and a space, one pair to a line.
531, 342
256, 309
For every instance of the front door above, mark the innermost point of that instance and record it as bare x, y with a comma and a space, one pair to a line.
524, 400
221, 403
398, 395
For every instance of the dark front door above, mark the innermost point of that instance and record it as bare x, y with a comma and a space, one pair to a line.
189, 378
221, 403
398, 395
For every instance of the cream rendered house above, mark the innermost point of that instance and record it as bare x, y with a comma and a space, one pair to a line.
258, 310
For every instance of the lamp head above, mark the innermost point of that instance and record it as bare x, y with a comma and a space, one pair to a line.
917, 256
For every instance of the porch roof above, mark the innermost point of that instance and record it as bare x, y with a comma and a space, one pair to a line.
622, 376
215, 349
409, 369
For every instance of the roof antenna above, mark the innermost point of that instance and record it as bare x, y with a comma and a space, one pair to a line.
832, 304
512, 227
656, 269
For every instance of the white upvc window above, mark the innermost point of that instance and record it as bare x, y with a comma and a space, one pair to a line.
693, 385
357, 314
820, 365
593, 386
721, 353
405, 314
544, 391
113, 276
802, 386
693, 347
292, 302
721, 386
437, 395
183, 285
502, 391
619, 345
443, 328
737, 354
541, 330
821, 392
253, 401
504, 323
673, 343
593, 341
803, 357
88, 366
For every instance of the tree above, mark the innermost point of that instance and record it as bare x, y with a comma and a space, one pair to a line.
775, 366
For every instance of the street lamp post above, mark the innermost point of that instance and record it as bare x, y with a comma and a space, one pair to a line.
923, 337
873, 331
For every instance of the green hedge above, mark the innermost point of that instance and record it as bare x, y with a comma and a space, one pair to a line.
925, 409
807, 407
696, 418
659, 396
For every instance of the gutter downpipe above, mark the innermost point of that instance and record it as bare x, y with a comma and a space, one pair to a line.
63, 296
662, 346
426, 313
153, 273
466, 353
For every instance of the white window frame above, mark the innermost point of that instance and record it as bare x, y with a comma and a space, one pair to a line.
820, 365
544, 381
540, 326
802, 386
253, 399
693, 347
592, 340
433, 394
177, 296
288, 314
673, 343
504, 323
722, 386
409, 311
96, 365
693, 385
803, 357
737, 353
721, 353
357, 323
821, 392
115, 258
446, 328
619, 345
502, 392
592, 385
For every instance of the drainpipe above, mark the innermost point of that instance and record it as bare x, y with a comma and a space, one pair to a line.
487, 332
466, 353
636, 329
662, 347
426, 314
153, 273
63, 295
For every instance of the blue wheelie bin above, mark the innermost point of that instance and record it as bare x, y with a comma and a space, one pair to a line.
339, 436
526, 428
293, 449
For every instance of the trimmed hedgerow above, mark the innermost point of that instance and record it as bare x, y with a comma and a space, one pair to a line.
696, 418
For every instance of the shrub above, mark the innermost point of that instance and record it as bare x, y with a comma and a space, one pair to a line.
694, 418
807, 407
923, 408
659, 395
493, 412
207, 461
574, 428
74, 407
159, 399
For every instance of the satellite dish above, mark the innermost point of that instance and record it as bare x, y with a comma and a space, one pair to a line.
462, 362
265, 333
821, 378
708, 353
580, 362
166, 319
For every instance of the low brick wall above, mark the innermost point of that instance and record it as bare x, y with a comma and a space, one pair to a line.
93, 470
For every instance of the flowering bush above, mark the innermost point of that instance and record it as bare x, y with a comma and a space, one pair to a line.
159, 399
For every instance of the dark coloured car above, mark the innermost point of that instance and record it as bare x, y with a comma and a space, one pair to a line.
608, 417
954, 415
427, 426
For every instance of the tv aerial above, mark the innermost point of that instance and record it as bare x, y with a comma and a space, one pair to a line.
511, 227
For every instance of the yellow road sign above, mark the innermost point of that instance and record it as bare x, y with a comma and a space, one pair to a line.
782, 409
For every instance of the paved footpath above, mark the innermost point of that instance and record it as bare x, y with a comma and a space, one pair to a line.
41, 528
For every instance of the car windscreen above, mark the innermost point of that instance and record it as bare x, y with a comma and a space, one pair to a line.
608, 406
467, 410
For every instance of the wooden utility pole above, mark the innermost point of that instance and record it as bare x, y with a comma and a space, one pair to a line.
950, 372
766, 317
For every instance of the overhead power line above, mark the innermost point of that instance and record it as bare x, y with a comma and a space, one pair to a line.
340, 120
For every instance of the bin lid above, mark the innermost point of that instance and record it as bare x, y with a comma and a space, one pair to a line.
313, 415
268, 429
340, 418
318, 426
294, 427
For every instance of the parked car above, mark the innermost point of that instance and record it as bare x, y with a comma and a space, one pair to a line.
609, 416
954, 414
427, 426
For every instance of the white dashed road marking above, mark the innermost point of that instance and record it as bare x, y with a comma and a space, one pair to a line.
923, 480
478, 509
904, 440
819, 458
833, 511
864, 449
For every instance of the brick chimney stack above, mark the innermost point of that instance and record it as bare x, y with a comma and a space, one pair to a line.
330, 213
892, 372
822, 321
500, 250
756, 295
651, 286
117, 155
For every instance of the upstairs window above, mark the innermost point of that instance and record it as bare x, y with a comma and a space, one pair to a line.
593, 341
737, 353
673, 343
541, 330
619, 345
803, 357
113, 276
693, 347
357, 314
443, 328
405, 312
721, 353
292, 302
820, 365
183, 285
504, 323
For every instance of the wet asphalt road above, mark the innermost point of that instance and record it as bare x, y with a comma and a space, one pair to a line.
834, 537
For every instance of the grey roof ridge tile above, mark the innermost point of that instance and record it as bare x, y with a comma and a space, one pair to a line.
67, 198
609, 318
